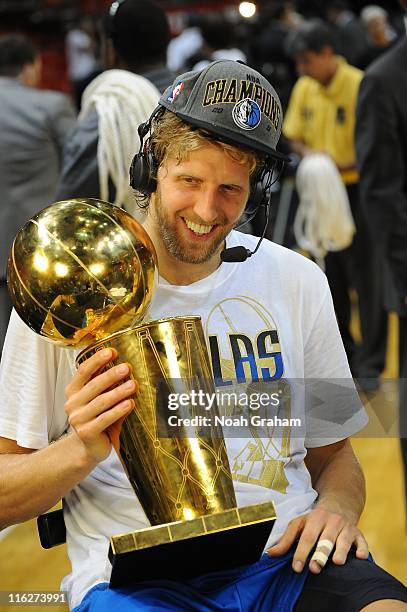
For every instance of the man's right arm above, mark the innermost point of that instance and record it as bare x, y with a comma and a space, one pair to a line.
32, 481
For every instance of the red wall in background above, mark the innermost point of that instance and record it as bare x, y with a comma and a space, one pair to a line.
54, 73
49, 35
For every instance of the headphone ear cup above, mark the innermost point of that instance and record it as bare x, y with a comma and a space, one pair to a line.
256, 198
142, 172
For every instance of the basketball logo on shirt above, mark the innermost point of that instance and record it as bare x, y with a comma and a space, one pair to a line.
245, 348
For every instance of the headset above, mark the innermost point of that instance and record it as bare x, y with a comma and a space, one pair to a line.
143, 172
110, 18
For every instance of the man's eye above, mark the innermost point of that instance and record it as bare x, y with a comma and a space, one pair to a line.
231, 189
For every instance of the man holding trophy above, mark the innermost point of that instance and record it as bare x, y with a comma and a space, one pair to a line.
208, 154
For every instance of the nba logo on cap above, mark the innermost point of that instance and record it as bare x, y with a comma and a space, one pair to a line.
175, 92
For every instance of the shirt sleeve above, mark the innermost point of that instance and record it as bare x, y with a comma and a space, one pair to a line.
333, 410
293, 122
33, 376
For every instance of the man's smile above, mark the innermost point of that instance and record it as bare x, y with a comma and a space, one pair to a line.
198, 229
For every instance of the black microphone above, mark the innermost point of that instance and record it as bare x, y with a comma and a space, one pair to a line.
236, 253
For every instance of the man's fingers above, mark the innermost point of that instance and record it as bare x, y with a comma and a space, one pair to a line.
344, 542
327, 532
106, 419
101, 403
288, 538
89, 368
320, 525
113, 431
114, 396
98, 385
362, 547
324, 548
102, 383
88, 431
308, 539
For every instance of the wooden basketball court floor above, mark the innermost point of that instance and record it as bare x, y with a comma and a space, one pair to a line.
25, 566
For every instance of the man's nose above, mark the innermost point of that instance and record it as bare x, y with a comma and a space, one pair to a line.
207, 205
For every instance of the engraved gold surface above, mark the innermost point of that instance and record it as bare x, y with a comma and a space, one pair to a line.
80, 270
174, 478
145, 538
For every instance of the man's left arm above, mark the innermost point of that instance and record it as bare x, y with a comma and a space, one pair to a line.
337, 477
334, 470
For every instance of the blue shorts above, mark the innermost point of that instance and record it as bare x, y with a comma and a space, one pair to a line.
269, 584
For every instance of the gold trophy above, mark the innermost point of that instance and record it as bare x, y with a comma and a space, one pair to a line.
81, 274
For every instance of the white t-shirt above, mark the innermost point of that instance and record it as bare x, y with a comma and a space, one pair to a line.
270, 316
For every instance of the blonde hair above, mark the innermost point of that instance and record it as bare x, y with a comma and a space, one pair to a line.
173, 138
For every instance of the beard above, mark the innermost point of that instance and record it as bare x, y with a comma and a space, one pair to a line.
178, 246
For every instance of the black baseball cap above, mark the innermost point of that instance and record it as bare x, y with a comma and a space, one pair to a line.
232, 101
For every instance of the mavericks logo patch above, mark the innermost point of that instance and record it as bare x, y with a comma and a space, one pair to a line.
246, 114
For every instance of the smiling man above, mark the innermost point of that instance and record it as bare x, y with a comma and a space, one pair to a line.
266, 318
197, 204
202, 190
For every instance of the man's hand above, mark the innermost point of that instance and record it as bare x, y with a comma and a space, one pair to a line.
96, 401
326, 529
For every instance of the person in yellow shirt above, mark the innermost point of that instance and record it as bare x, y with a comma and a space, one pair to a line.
321, 118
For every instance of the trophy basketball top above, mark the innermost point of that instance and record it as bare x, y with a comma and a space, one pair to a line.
81, 270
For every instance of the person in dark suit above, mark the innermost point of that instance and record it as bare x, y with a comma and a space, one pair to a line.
381, 146
33, 128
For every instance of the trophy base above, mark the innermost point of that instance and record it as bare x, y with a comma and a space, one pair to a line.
186, 549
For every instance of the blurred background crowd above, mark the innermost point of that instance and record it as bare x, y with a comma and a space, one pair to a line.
78, 76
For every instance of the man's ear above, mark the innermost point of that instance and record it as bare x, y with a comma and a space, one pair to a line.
327, 51
31, 73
